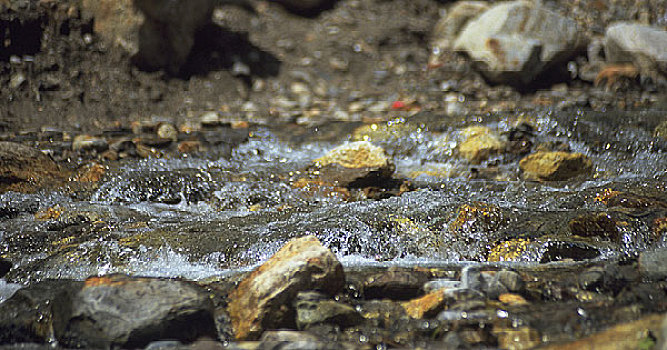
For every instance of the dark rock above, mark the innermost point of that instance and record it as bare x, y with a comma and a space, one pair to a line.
591, 278
653, 264
511, 280
557, 251
594, 225
313, 308
5, 266
25, 169
117, 310
396, 285
28, 315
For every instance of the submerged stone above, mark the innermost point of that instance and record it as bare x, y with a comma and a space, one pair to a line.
554, 166
263, 299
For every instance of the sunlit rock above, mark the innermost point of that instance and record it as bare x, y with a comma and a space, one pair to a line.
480, 144
117, 310
26, 169
355, 164
426, 306
554, 166
476, 217
516, 41
644, 46
448, 28
263, 300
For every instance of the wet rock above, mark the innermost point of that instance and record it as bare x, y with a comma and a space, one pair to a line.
448, 28
397, 285
355, 164
313, 308
554, 166
25, 169
661, 130
633, 335
168, 31
652, 264
642, 45
5, 266
263, 299
516, 337
116, 21
203, 344
122, 311
516, 41
89, 143
591, 278
426, 306
594, 225
167, 131
28, 315
480, 144
292, 340
476, 217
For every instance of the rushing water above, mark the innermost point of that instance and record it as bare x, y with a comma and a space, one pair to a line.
204, 216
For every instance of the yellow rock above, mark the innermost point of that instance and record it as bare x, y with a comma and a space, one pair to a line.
512, 299
480, 143
554, 166
360, 154
661, 130
508, 250
425, 306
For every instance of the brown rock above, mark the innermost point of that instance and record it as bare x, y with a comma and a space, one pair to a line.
427, 306
116, 21
589, 225
554, 166
26, 169
264, 299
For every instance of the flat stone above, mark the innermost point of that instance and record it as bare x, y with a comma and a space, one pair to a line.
263, 300
396, 285
117, 310
516, 41
554, 166
312, 310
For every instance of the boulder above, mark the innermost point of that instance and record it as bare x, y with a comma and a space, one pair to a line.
121, 311
514, 42
263, 300
116, 21
644, 46
448, 27
25, 169
355, 164
554, 166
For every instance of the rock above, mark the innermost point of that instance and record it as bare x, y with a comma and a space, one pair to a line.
661, 130
591, 279
448, 28
292, 340
516, 41
168, 31
167, 131
314, 308
426, 306
355, 164
645, 46
89, 143
116, 21
117, 310
517, 337
632, 335
263, 299
554, 166
5, 266
652, 264
24, 169
480, 144
28, 315
594, 225
306, 7
396, 285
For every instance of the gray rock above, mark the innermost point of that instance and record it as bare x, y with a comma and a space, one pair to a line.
652, 264
313, 308
511, 280
118, 310
592, 278
448, 28
516, 41
642, 45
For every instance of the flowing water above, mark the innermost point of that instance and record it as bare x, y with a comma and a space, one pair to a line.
207, 216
